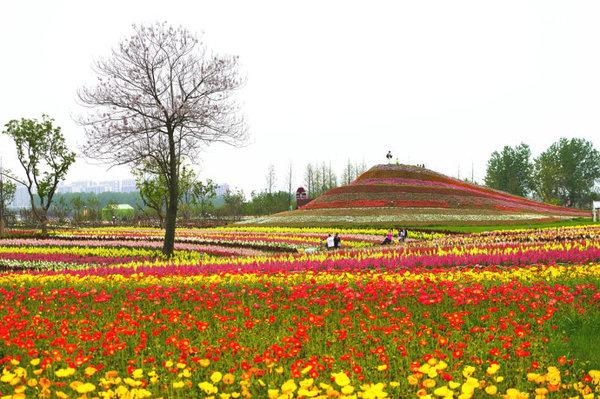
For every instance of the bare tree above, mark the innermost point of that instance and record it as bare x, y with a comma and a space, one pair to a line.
271, 179
290, 176
161, 96
348, 173
309, 179
359, 169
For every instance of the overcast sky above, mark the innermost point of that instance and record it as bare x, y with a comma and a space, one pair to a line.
442, 83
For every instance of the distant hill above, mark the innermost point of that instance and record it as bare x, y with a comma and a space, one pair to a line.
415, 196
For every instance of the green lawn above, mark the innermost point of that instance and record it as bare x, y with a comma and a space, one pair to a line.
529, 225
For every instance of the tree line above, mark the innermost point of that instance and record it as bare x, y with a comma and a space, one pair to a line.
566, 173
316, 179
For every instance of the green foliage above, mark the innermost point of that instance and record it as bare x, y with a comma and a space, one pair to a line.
567, 172
77, 203
581, 333
203, 195
154, 188
511, 170
7, 192
234, 203
265, 203
45, 158
60, 209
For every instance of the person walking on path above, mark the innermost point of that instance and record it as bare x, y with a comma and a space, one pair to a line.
337, 241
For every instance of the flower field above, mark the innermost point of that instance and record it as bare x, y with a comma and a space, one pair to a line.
248, 312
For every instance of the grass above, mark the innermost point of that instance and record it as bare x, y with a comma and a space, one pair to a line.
446, 228
528, 225
581, 332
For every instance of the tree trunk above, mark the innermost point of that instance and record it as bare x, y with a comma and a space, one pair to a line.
171, 216
44, 221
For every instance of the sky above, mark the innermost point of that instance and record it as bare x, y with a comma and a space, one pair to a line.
440, 83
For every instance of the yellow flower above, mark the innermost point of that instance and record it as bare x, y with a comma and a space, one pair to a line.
382, 367
289, 386
7, 376
491, 390
468, 371
34, 362
186, 373
412, 379
178, 384
204, 362
20, 389
373, 391
216, 377
443, 391
228, 378
493, 369
432, 373
208, 388
131, 382
341, 378
429, 383
347, 389
90, 371
85, 387
69, 371
307, 383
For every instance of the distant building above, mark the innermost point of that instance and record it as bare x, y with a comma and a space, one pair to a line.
222, 189
128, 186
21, 198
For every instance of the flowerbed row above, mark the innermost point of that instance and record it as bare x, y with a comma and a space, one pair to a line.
323, 335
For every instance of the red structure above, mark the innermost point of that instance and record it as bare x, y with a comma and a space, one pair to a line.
301, 197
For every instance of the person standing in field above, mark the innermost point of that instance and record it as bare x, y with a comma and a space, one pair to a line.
388, 238
329, 243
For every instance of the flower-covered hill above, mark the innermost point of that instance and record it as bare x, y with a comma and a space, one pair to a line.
417, 196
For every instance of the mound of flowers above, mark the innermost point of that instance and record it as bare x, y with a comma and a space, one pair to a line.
416, 196
411, 186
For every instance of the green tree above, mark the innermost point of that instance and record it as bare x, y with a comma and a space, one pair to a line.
511, 170
203, 194
45, 158
154, 190
7, 195
60, 209
77, 203
567, 172
234, 203
93, 207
